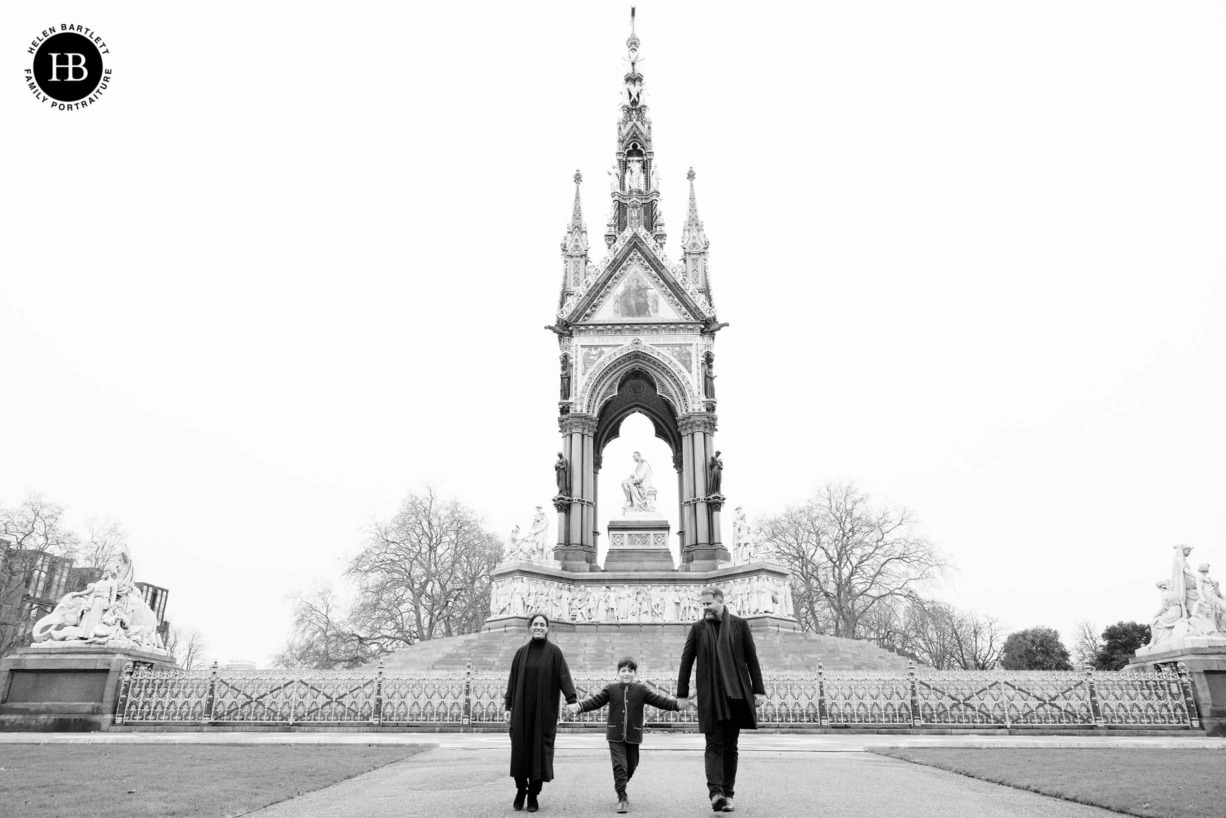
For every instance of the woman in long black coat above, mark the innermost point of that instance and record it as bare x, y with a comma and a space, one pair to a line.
538, 676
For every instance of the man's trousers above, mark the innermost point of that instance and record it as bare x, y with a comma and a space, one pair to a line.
721, 757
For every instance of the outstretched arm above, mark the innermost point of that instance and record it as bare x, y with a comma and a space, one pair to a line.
660, 700
755, 670
593, 702
568, 687
509, 698
687, 664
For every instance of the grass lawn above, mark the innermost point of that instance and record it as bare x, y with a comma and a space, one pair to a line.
136, 780
1140, 781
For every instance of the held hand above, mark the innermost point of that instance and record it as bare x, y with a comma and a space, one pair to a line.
759, 699
506, 716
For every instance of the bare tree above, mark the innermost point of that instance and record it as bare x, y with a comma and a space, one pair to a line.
106, 538
934, 630
187, 646
27, 533
424, 574
849, 556
321, 636
936, 634
1086, 643
980, 641
892, 626
38, 525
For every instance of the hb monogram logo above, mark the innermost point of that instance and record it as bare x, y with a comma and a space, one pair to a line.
68, 72
74, 63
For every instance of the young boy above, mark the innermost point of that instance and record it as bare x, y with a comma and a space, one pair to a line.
625, 699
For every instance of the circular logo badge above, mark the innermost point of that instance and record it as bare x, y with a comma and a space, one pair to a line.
68, 71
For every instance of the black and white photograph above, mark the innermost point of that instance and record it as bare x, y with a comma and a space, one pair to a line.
655, 407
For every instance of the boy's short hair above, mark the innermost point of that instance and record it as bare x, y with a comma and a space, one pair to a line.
627, 661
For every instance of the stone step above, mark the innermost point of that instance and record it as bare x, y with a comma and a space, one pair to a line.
656, 649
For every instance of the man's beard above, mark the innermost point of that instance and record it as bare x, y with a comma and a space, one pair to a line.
710, 615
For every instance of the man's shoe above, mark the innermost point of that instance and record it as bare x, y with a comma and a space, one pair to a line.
518, 803
532, 805
623, 805
718, 802
728, 805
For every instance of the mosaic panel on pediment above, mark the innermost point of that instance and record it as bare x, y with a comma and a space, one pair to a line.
635, 292
684, 353
637, 296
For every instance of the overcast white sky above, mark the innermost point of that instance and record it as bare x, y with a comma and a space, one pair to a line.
296, 263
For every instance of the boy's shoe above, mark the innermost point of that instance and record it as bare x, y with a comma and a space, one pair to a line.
623, 805
718, 802
728, 805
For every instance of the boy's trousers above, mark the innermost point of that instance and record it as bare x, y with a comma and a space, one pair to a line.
625, 758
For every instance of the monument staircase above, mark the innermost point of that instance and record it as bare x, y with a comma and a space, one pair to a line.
657, 648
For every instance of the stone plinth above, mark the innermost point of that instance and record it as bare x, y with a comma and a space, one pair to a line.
67, 688
1205, 659
638, 545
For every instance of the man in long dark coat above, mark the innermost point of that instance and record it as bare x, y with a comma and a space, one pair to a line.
538, 676
727, 693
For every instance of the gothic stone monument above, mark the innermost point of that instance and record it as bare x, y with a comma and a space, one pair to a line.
636, 333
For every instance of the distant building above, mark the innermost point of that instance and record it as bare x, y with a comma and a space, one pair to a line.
31, 583
155, 597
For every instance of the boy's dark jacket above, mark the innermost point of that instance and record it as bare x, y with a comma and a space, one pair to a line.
626, 709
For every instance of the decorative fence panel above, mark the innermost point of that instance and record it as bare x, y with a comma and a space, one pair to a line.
464, 700
1021, 698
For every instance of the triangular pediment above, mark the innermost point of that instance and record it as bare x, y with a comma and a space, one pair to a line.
636, 285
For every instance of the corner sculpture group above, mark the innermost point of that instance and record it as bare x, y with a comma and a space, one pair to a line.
109, 612
1192, 603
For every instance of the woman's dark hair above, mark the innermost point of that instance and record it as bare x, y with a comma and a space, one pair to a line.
537, 616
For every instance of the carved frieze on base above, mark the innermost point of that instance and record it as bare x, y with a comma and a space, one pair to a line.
624, 598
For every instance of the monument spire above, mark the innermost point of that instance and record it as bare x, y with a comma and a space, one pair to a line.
576, 218
574, 247
636, 194
694, 244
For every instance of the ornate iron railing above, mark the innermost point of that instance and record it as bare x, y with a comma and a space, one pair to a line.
468, 699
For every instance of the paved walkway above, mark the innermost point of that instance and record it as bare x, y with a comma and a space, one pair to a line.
465, 774
670, 785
